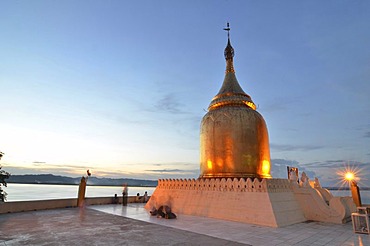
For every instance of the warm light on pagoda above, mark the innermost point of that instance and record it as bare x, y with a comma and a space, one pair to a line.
266, 167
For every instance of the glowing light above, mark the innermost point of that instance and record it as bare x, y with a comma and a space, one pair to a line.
209, 164
250, 104
349, 176
265, 167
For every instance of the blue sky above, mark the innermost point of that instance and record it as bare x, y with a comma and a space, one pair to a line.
120, 87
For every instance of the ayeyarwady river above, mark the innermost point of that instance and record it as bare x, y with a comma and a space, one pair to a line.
28, 192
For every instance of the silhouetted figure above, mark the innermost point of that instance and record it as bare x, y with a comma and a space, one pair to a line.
154, 211
124, 195
137, 198
170, 215
160, 212
164, 212
145, 197
115, 199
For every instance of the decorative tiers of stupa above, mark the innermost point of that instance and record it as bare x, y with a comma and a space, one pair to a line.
231, 93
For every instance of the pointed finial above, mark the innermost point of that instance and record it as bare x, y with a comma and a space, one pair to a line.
227, 29
229, 51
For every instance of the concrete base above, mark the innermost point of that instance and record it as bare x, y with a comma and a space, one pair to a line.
270, 202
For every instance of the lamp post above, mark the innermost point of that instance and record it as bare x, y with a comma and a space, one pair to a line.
355, 190
82, 190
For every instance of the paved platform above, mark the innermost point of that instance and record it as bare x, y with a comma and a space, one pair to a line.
74, 226
132, 225
308, 233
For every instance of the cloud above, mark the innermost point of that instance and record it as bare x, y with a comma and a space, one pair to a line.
59, 166
367, 135
165, 170
146, 171
336, 164
172, 173
119, 174
175, 170
326, 164
279, 168
290, 147
280, 104
284, 162
169, 103
47, 168
329, 171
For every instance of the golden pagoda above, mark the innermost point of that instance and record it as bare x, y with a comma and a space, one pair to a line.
235, 171
233, 138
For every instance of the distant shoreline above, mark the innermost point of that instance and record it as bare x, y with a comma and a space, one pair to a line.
51, 179
345, 188
45, 183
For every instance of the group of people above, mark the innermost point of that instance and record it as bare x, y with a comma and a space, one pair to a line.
163, 212
138, 198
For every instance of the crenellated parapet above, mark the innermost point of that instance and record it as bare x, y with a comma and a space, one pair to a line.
229, 184
278, 185
267, 202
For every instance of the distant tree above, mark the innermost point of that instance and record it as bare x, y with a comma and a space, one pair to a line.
3, 176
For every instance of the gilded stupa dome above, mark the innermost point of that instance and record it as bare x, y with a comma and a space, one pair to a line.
234, 139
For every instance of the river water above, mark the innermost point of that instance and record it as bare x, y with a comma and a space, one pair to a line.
28, 192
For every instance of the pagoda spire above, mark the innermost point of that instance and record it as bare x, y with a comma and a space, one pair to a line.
234, 138
229, 52
230, 94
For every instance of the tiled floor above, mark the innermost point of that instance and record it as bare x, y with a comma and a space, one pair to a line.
81, 226
310, 233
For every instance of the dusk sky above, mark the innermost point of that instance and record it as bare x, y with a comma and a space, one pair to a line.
120, 87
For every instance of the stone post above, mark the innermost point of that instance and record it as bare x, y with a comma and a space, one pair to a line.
81, 192
355, 190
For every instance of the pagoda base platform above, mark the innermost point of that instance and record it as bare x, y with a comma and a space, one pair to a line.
269, 202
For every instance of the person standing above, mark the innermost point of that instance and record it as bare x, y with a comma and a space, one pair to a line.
124, 195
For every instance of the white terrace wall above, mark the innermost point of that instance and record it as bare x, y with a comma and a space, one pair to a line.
270, 202
319, 205
21, 206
